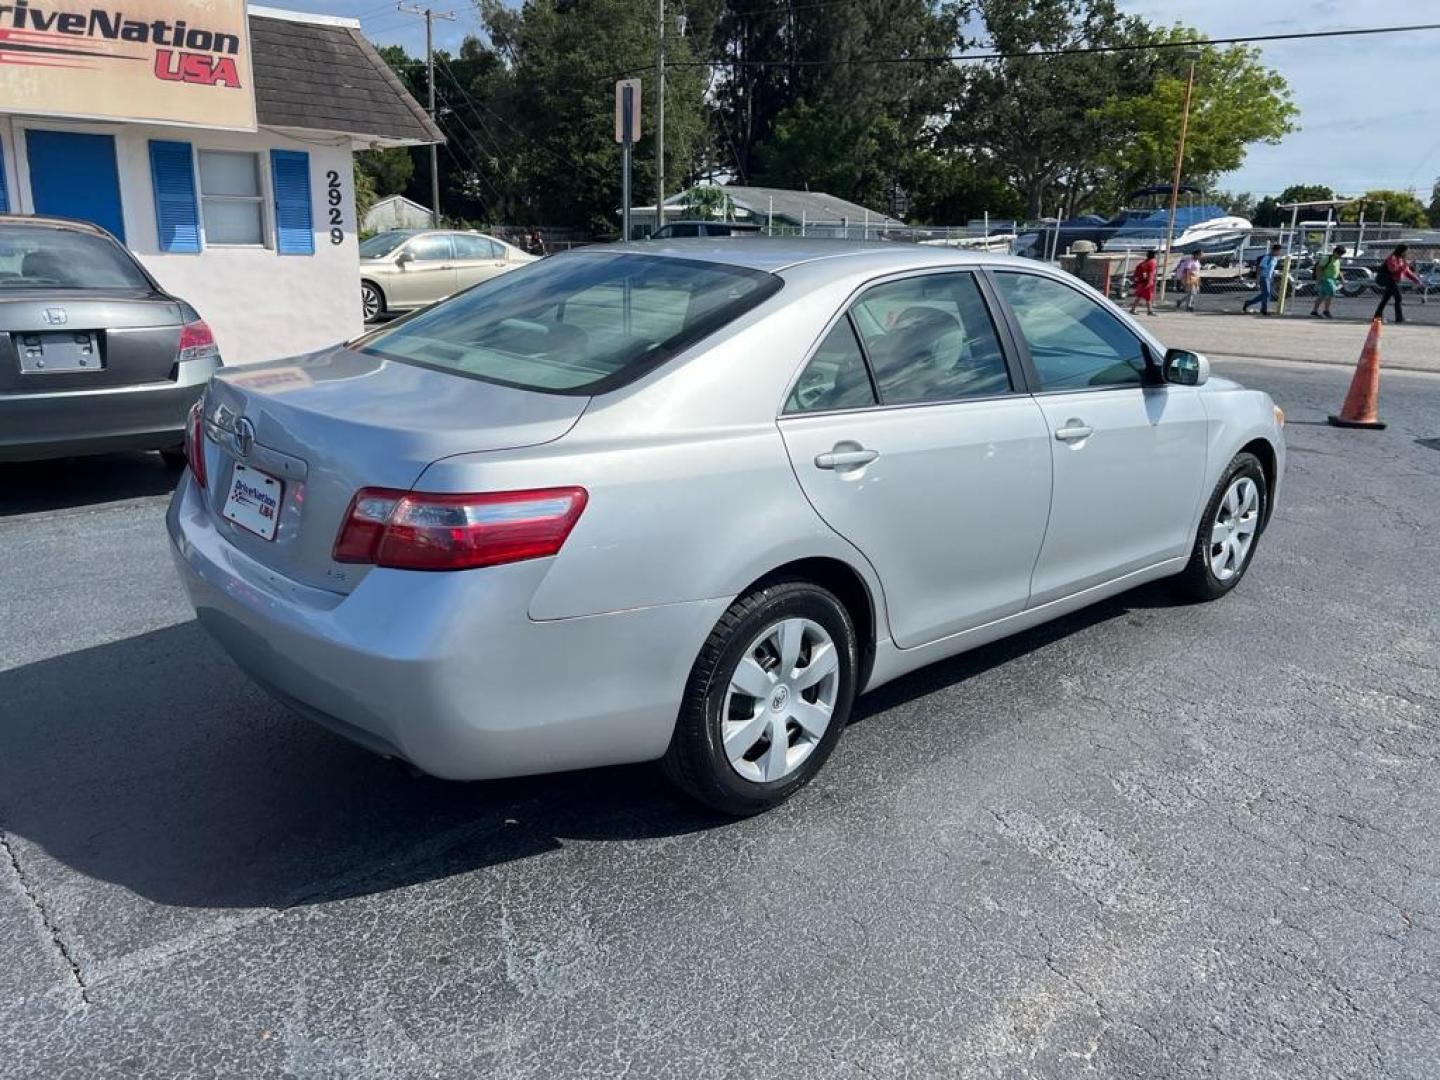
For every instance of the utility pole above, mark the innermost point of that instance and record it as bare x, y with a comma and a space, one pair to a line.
1164, 272
430, 17
660, 117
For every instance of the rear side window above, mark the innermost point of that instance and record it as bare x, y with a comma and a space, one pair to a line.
577, 324
930, 338
1074, 342
474, 247
36, 257
835, 377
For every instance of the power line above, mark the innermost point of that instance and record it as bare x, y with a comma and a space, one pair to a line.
1077, 50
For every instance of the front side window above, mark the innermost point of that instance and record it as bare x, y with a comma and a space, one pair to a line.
578, 324
40, 257
835, 377
930, 338
1074, 342
432, 248
232, 201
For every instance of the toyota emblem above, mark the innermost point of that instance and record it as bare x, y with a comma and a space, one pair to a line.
244, 437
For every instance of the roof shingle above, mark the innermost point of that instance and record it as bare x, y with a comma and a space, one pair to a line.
329, 78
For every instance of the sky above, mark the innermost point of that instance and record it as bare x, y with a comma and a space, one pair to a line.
1369, 107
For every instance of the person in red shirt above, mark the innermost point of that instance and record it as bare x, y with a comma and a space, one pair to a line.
1143, 279
1393, 271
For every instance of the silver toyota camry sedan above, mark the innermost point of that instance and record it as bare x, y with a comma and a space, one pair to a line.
683, 501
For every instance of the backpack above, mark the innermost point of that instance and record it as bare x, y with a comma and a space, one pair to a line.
1383, 275
1317, 272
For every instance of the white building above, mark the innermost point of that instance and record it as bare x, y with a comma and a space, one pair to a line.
255, 228
395, 212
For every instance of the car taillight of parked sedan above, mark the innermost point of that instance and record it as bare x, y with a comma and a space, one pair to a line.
195, 441
411, 530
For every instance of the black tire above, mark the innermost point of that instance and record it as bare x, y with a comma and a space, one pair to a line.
174, 459
696, 761
371, 294
1198, 580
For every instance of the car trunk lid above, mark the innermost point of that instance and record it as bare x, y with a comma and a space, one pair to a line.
329, 423
74, 339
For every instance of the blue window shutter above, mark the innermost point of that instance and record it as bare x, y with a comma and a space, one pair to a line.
177, 215
290, 173
4, 188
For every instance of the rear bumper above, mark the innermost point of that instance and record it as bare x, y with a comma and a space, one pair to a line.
446, 670
150, 416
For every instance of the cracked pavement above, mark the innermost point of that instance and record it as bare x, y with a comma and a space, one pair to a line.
1150, 840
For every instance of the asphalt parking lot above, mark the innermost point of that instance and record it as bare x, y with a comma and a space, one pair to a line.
1151, 840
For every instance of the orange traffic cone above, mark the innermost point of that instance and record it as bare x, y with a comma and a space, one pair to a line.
1362, 403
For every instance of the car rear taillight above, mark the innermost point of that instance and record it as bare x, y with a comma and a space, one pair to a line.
197, 341
195, 441
414, 530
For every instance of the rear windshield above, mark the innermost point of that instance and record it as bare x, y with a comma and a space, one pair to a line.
37, 257
576, 324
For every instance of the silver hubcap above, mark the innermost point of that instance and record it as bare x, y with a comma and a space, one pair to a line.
1233, 533
780, 700
370, 301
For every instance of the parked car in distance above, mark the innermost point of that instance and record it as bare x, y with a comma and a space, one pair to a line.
94, 355
404, 269
683, 501
677, 230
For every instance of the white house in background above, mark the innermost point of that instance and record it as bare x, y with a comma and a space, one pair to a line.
395, 212
244, 208
813, 212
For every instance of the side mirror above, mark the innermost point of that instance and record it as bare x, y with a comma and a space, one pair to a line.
404, 258
1185, 368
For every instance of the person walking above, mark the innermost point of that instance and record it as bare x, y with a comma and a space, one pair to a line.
1143, 280
1264, 273
535, 243
1327, 281
1187, 281
1393, 271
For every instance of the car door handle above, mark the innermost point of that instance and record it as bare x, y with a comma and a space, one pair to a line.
1074, 431
845, 459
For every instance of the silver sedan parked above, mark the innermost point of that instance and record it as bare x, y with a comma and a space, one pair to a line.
684, 500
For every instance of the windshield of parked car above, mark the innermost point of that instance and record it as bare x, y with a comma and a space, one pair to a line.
576, 324
38, 257
382, 244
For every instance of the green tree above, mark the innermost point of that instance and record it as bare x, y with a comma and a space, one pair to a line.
798, 108
554, 87
1236, 102
389, 170
1435, 205
1400, 207
1041, 121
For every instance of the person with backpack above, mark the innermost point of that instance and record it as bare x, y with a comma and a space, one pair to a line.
1393, 271
1327, 282
1187, 280
1142, 279
1264, 272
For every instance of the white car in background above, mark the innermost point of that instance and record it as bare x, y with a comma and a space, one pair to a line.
403, 269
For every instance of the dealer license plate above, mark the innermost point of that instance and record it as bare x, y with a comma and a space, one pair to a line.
254, 501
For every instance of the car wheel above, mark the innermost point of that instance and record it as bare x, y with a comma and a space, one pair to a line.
1229, 530
372, 301
767, 699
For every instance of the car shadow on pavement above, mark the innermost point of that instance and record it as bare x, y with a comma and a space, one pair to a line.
153, 763
29, 487
1158, 594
